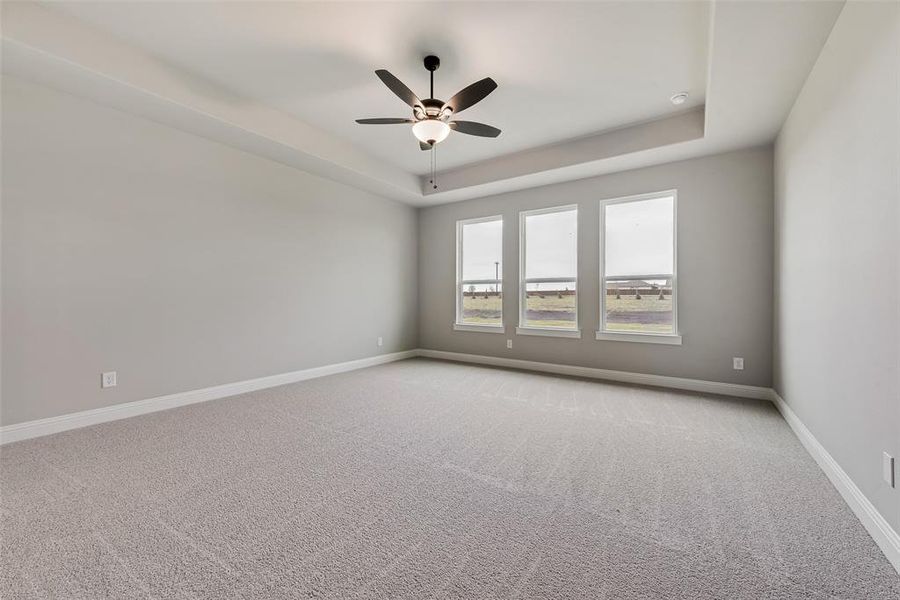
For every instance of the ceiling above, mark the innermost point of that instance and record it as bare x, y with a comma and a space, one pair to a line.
583, 87
564, 70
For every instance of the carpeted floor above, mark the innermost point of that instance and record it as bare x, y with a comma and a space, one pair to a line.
426, 479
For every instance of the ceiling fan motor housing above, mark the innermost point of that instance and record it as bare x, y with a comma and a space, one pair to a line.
433, 108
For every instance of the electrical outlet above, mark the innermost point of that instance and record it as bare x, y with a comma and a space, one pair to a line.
738, 363
380, 341
108, 380
887, 468
509, 343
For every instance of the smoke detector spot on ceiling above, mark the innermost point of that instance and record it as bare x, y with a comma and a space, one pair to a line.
679, 98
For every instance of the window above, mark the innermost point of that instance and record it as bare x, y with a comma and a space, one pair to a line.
548, 247
479, 262
637, 269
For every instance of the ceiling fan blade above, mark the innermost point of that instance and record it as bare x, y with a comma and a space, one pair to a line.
388, 121
424, 146
470, 95
398, 87
473, 128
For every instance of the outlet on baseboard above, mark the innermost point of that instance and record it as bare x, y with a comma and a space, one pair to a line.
738, 363
509, 343
108, 380
887, 468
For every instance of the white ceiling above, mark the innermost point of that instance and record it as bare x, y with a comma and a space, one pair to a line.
576, 80
564, 70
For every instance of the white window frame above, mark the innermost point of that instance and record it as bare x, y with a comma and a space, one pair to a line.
522, 329
458, 323
673, 338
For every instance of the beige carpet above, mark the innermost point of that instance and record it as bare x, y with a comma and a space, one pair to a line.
426, 479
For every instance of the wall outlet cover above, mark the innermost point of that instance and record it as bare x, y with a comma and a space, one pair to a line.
108, 379
380, 341
738, 363
887, 468
509, 343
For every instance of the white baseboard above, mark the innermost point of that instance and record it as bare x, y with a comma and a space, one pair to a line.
880, 530
679, 383
40, 427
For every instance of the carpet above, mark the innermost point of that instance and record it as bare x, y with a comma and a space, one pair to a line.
428, 479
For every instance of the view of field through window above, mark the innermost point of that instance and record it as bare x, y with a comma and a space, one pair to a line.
551, 249
639, 305
550, 305
481, 262
637, 283
639, 265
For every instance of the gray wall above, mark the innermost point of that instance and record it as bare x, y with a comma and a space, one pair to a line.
724, 271
837, 161
178, 262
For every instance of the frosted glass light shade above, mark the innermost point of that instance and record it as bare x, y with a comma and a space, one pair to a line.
431, 131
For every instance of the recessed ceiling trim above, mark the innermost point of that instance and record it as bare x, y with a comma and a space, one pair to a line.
744, 100
532, 167
49, 48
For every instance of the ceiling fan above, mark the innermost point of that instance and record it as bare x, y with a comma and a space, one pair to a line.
432, 117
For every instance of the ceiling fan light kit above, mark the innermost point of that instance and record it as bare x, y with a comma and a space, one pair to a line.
431, 122
431, 131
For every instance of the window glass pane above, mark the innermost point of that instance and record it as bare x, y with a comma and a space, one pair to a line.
551, 250
482, 304
640, 237
551, 244
482, 250
478, 292
639, 305
550, 304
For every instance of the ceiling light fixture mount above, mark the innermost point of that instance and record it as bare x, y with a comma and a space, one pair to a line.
432, 63
431, 122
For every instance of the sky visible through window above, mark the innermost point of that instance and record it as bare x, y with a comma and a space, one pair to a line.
551, 244
482, 248
639, 237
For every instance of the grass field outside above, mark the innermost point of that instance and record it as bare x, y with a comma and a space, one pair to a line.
547, 309
481, 310
550, 308
649, 314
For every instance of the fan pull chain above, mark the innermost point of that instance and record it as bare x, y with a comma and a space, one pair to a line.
433, 181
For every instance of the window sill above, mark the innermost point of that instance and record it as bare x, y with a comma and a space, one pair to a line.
479, 328
549, 332
643, 338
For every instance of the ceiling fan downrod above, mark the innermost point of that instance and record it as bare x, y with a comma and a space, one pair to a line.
432, 64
